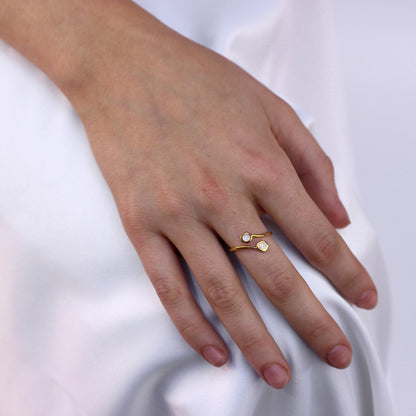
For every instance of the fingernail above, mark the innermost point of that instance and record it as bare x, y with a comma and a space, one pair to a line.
276, 376
214, 356
339, 356
367, 300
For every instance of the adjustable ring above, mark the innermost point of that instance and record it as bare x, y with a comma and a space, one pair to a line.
247, 237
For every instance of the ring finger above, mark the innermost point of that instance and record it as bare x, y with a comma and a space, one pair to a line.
285, 288
226, 294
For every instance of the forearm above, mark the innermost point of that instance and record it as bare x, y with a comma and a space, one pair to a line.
68, 38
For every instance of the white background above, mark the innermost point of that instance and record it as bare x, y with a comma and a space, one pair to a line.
377, 54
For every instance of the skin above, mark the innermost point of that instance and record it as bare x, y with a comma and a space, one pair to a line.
173, 127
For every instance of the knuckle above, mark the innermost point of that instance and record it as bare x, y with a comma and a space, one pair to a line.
274, 167
189, 329
221, 295
252, 344
281, 285
214, 196
131, 215
353, 284
327, 165
318, 332
169, 292
283, 108
173, 207
253, 176
324, 249
287, 119
270, 174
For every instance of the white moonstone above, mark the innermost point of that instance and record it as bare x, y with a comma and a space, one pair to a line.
245, 238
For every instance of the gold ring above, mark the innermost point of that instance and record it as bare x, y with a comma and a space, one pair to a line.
247, 237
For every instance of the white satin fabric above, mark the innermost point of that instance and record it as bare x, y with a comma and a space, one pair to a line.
81, 329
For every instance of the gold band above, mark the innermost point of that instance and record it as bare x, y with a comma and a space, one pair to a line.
247, 237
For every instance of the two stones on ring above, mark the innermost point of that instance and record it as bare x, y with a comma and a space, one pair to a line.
247, 237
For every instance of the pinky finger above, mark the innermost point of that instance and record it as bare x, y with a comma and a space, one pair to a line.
165, 272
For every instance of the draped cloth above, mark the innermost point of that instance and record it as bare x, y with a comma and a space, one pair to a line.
82, 331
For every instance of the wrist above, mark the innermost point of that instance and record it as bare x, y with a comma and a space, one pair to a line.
112, 34
44, 31
75, 41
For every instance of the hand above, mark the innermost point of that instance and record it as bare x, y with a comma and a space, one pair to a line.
194, 148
